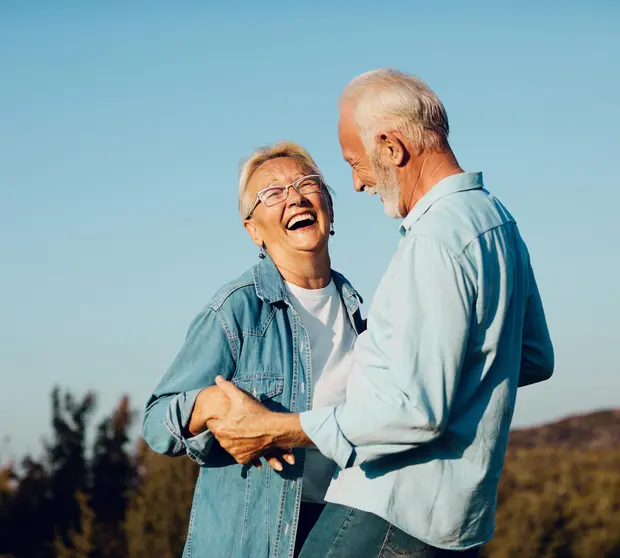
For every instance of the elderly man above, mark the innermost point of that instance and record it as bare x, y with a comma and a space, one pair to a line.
456, 325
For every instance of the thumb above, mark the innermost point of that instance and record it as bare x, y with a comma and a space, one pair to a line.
214, 426
229, 389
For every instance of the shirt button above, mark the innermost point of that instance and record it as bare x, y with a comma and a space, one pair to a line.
286, 530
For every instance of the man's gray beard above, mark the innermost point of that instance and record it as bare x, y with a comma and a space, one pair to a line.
388, 188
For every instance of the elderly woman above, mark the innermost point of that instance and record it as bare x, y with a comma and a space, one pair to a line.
284, 332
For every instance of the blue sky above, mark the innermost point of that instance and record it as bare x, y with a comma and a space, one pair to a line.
121, 128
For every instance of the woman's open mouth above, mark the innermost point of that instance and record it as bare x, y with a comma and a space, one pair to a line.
301, 221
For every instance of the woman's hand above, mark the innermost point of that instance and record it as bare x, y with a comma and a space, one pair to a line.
211, 403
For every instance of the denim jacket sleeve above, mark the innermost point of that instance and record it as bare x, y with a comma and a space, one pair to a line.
206, 352
409, 406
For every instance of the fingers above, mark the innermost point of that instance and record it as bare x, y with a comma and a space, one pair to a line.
274, 463
276, 460
230, 389
289, 458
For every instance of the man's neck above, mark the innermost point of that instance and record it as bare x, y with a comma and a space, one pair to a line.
429, 169
308, 270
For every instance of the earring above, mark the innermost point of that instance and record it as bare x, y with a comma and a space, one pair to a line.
261, 254
332, 232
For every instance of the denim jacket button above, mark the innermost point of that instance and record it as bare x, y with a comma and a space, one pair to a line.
303, 387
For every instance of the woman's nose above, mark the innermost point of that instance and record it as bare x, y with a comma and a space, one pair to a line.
295, 198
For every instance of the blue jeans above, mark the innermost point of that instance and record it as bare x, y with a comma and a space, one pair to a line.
342, 532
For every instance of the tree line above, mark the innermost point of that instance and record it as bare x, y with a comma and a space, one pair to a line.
102, 496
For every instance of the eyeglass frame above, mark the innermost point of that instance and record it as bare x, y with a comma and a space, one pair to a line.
287, 187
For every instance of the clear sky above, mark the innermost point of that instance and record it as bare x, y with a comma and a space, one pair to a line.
121, 129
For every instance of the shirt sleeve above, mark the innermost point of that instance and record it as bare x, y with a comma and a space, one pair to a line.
206, 353
404, 399
537, 356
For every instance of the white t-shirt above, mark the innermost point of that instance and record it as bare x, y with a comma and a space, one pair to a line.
332, 337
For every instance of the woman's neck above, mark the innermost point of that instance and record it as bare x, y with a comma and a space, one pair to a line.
308, 270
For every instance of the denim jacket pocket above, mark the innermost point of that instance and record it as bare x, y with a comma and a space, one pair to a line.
262, 386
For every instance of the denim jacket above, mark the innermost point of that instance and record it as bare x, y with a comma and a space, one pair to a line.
250, 334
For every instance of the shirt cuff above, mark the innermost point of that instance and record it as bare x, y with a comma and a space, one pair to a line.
321, 426
177, 419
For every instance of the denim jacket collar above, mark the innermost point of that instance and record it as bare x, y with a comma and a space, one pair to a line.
270, 287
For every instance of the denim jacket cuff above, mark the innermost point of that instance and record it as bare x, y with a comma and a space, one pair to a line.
321, 426
177, 419
198, 446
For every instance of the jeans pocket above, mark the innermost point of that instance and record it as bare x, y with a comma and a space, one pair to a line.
399, 544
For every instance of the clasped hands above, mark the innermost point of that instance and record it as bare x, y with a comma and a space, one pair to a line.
244, 427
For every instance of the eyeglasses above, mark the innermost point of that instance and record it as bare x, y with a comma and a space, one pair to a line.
273, 195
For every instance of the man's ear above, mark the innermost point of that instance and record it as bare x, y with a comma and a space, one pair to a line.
253, 231
392, 148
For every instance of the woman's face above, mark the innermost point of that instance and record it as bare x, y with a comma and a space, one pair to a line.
301, 223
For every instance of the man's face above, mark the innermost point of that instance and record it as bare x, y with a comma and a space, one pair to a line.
370, 174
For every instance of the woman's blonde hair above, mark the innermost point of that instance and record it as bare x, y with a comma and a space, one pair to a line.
260, 157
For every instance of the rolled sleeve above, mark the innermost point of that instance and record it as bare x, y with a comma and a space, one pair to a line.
321, 426
177, 419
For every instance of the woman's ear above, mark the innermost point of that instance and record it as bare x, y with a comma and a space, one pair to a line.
254, 233
330, 206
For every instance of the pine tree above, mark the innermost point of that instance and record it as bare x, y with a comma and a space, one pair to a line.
158, 515
114, 474
81, 541
67, 458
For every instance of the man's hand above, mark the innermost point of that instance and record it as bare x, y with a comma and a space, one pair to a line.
211, 403
249, 430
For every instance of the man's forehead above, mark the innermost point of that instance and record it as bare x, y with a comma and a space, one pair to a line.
348, 133
346, 120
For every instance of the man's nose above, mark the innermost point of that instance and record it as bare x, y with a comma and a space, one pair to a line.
357, 183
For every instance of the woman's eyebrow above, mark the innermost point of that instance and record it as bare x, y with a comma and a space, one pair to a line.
276, 182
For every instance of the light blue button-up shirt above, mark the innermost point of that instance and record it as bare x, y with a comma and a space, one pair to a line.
456, 325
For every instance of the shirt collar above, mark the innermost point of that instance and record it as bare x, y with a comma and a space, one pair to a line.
449, 185
271, 288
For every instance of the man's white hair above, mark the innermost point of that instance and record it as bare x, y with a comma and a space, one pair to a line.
260, 157
392, 100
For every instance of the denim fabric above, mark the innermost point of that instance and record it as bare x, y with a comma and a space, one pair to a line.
250, 334
456, 325
308, 516
343, 532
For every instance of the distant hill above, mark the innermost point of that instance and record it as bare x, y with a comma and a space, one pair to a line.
594, 431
